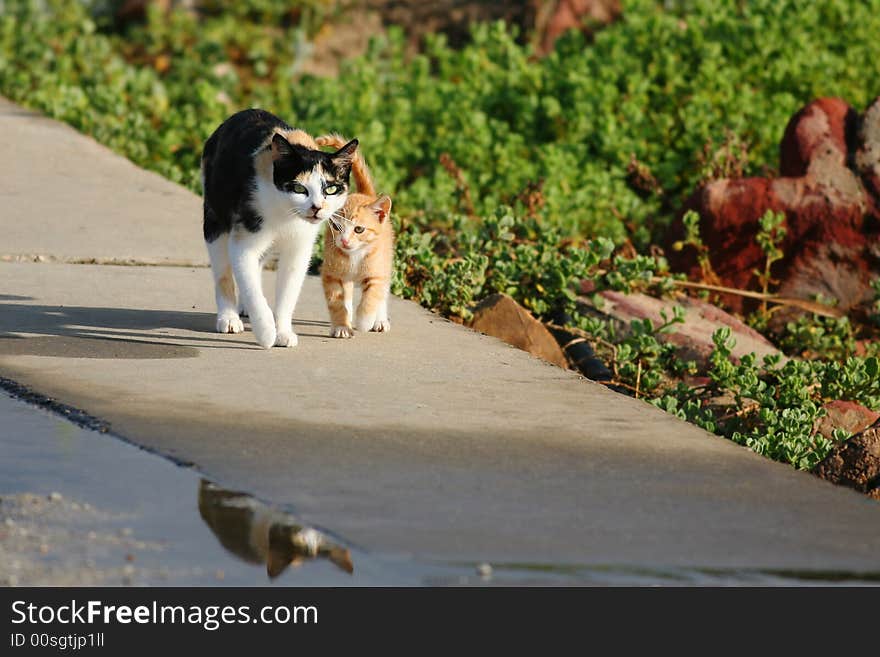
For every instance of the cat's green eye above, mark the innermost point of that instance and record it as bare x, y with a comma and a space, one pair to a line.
297, 188
330, 190
359, 229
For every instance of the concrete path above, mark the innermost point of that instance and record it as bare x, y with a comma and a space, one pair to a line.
430, 441
66, 198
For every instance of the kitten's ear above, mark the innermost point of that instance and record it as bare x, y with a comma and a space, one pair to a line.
280, 147
345, 155
382, 207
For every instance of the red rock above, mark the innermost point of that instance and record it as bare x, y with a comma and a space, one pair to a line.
855, 463
816, 133
828, 191
847, 415
500, 316
693, 338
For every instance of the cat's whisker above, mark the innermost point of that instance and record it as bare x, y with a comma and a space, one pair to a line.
339, 216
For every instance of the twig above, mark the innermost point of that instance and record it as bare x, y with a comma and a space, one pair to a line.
804, 304
745, 410
573, 341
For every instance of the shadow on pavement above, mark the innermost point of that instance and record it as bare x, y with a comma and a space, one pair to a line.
77, 332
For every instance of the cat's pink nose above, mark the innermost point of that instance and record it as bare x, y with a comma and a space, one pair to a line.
344, 242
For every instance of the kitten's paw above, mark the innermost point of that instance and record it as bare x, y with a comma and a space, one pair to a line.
341, 332
264, 332
286, 339
381, 326
229, 324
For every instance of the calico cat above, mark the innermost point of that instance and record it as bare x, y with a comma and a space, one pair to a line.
266, 185
358, 250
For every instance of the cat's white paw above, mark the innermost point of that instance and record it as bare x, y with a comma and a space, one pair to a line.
341, 332
229, 323
365, 323
381, 326
264, 332
286, 339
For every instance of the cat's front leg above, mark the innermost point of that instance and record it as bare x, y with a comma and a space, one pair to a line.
338, 295
293, 265
244, 255
382, 323
372, 310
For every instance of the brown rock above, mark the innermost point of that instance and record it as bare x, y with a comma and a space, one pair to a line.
693, 338
847, 415
828, 191
500, 316
855, 463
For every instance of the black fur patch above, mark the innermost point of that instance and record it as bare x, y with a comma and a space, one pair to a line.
298, 159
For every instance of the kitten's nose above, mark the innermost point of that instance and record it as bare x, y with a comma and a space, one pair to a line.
315, 209
344, 242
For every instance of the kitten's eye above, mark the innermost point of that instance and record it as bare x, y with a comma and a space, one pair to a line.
334, 225
359, 229
330, 190
296, 188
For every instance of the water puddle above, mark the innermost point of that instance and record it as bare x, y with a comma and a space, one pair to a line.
80, 507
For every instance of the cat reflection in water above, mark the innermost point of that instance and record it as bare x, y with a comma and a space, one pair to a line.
257, 533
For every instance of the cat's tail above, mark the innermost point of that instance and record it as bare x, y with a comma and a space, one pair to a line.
362, 177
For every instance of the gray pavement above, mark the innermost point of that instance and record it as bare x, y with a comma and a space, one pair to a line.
67, 198
431, 441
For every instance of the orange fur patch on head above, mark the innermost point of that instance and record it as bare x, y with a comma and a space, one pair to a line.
298, 137
279, 142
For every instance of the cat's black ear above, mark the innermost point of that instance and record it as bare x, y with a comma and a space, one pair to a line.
343, 158
280, 147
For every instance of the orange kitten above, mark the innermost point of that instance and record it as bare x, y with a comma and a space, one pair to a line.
358, 250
